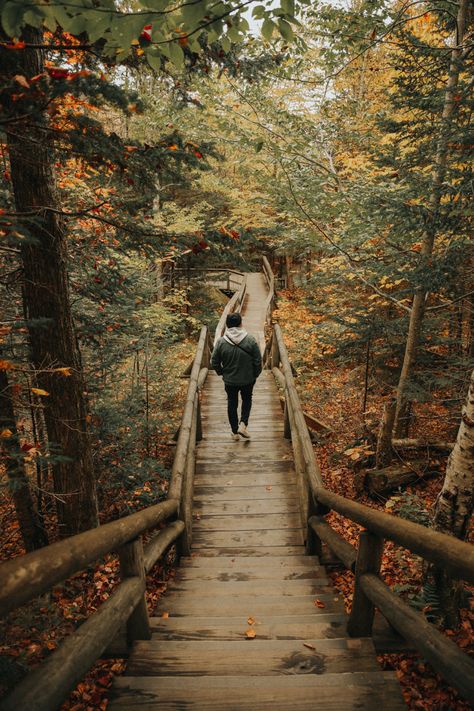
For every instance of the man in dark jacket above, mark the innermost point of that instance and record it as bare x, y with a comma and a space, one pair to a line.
237, 358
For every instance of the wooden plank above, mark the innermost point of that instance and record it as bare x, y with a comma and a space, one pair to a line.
243, 493
250, 562
249, 522
209, 508
272, 657
370, 691
235, 551
227, 573
329, 626
230, 479
218, 589
244, 539
284, 466
179, 605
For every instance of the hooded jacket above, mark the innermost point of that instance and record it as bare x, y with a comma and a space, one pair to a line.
237, 357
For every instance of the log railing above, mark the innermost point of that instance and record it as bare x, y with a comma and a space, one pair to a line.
235, 304
370, 592
33, 574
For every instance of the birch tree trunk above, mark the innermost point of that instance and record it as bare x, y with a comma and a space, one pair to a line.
454, 507
50, 324
439, 171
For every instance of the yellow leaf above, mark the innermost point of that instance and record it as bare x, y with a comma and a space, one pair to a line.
39, 391
250, 634
22, 81
6, 365
64, 371
5, 434
250, 621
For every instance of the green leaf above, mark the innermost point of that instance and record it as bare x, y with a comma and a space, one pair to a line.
193, 14
286, 30
258, 146
12, 18
225, 44
154, 59
267, 28
176, 55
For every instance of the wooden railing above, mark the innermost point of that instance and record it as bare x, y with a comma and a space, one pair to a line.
235, 304
33, 574
229, 279
446, 552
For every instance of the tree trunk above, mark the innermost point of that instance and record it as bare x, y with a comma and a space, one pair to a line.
31, 528
439, 170
453, 509
384, 451
47, 302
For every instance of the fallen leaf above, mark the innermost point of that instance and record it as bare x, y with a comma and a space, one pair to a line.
5, 434
309, 646
268, 488
39, 391
165, 615
319, 603
250, 634
250, 621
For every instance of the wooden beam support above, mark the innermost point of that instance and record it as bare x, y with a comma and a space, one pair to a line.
435, 647
30, 575
132, 566
369, 558
341, 548
155, 548
46, 687
454, 555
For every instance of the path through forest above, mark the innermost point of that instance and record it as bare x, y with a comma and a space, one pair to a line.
251, 621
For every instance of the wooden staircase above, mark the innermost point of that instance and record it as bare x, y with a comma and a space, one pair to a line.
250, 622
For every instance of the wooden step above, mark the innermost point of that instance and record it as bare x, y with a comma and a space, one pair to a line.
226, 574
365, 691
297, 627
248, 522
236, 551
252, 657
220, 588
246, 539
236, 492
210, 508
252, 562
182, 604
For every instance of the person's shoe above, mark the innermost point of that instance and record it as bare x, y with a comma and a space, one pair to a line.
235, 436
243, 432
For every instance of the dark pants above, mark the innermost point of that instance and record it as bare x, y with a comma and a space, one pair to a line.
233, 402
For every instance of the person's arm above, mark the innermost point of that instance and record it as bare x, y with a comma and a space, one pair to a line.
257, 360
216, 359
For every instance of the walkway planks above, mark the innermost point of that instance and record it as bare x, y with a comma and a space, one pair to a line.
248, 571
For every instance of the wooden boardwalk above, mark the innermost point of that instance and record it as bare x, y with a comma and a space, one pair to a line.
249, 571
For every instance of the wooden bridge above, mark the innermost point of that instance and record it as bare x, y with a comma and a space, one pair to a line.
250, 621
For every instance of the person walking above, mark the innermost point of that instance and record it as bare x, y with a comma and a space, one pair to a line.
236, 356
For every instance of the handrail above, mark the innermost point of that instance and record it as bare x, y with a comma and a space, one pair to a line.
25, 577
446, 552
234, 304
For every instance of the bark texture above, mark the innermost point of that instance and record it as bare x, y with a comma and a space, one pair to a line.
454, 507
47, 302
31, 528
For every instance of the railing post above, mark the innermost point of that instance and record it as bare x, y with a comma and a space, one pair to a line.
187, 492
275, 353
132, 566
286, 420
369, 558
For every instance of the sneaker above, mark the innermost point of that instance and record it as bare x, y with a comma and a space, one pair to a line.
235, 436
243, 432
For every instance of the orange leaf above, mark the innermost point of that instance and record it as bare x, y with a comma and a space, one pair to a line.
310, 646
165, 615
250, 634
20, 79
40, 391
250, 621
319, 603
